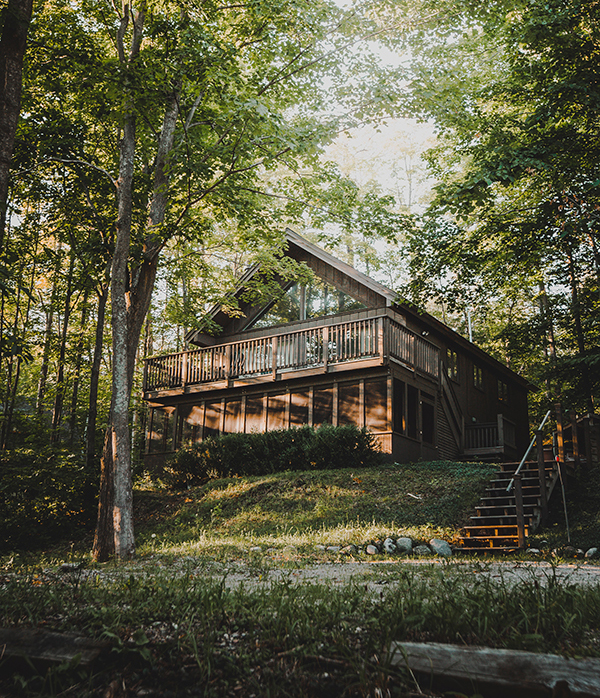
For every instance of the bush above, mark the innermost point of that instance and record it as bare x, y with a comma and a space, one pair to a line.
230, 455
44, 493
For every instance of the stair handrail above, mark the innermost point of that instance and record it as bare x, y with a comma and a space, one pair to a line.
527, 452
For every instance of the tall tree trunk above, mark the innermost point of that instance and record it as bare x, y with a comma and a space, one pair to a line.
585, 383
17, 16
90, 440
131, 294
60, 374
41, 393
9, 374
114, 527
15, 386
77, 368
549, 341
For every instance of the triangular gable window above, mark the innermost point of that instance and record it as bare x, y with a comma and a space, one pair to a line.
318, 299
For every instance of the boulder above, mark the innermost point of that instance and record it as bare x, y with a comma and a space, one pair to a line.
422, 551
372, 549
404, 545
389, 546
440, 547
592, 552
333, 548
349, 550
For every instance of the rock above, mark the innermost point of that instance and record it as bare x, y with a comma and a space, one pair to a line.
372, 549
440, 547
389, 546
404, 545
71, 566
534, 551
568, 551
320, 547
349, 550
579, 553
422, 551
255, 549
333, 548
592, 552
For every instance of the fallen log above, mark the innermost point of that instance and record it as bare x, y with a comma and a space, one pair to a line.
497, 672
42, 647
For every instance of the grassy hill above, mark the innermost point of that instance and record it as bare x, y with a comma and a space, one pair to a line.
338, 507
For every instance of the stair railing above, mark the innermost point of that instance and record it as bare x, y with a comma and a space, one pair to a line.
527, 452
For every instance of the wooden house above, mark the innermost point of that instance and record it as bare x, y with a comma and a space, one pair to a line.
340, 350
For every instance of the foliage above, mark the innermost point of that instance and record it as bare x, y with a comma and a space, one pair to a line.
45, 494
202, 636
299, 508
306, 448
512, 235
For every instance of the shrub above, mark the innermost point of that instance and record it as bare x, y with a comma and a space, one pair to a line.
44, 493
306, 448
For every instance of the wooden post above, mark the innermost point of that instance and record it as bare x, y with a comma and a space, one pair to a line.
500, 418
542, 476
574, 439
184, 369
559, 432
361, 403
274, 359
311, 405
243, 415
202, 419
381, 343
325, 347
588, 424
520, 514
335, 406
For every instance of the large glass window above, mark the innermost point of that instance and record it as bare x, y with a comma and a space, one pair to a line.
305, 302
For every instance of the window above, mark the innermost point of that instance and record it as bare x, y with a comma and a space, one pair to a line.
317, 299
478, 376
502, 391
452, 364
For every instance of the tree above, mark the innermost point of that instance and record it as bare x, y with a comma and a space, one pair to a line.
180, 111
13, 42
513, 89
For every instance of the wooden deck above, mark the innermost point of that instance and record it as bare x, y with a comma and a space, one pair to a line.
328, 348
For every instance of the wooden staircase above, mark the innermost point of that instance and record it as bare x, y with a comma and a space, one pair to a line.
494, 526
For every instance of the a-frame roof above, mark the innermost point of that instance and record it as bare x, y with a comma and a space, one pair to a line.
346, 278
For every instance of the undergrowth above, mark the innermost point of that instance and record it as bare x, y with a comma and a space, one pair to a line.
186, 634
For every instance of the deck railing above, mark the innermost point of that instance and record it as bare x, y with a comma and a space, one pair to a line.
492, 436
293, 351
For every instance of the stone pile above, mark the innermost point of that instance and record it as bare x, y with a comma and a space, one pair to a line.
391, 546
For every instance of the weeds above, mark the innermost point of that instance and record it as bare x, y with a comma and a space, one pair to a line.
186, 629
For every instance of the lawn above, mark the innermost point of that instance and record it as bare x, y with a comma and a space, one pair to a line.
178, 626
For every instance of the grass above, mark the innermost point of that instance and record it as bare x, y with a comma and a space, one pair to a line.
338, 507
179, 625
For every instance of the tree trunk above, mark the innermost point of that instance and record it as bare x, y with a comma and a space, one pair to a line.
77, 368
60, 374
90, 441
585, 383
130, 300
17, 16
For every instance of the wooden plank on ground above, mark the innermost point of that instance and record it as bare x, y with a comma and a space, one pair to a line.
43, 646
497, 672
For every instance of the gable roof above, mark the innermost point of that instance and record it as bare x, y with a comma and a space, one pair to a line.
354, 282
332, 270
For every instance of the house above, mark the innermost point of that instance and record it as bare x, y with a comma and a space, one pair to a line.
340, 350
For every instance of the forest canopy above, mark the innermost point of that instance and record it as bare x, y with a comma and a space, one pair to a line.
160, 148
